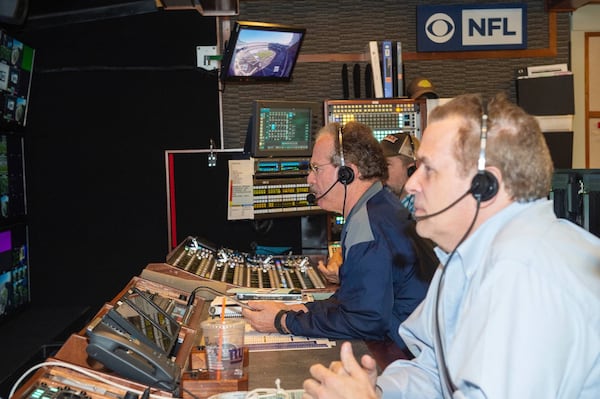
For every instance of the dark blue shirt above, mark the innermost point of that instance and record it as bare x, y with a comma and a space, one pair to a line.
379, 287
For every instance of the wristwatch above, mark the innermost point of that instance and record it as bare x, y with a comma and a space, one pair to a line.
277, 322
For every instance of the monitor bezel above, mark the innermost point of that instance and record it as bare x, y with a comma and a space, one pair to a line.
234, 39
254, 129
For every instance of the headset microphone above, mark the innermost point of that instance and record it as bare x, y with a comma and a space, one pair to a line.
312, 199
430, 215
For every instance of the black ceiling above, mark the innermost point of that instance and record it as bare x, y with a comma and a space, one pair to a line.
45, 7
48, 13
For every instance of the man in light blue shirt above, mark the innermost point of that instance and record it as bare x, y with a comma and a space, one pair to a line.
514, 309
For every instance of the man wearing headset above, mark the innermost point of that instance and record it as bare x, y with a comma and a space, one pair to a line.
513, 309
399, 150
382, 280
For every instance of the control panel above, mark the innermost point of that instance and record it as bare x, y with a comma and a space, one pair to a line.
280, 187
243, 269
383, 116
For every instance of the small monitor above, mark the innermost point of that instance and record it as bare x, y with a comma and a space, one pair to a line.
16, 66
14, 271
261, 52
138, 315
282, 128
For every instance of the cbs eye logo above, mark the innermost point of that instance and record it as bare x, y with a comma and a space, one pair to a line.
439, 28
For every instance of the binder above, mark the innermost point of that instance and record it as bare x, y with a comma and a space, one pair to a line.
398, 70
376, 69
387, 69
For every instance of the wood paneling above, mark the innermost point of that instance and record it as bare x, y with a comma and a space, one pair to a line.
568, 5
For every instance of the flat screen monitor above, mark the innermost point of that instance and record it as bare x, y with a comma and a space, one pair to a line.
138, 315
261, 52
14, 270
12, 182
16, 66
282, 128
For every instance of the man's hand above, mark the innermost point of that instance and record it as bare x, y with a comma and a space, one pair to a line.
262, 319
331, 271
344, 379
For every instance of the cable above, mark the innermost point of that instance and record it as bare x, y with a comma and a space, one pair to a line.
82, 371
438, 339
259, 393
344, 205
218, 293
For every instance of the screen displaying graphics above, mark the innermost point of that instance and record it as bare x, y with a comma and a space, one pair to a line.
16, 66
138, 315
259, 51
14, 270
12, 183
282, 128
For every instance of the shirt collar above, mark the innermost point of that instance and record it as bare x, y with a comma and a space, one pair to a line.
371, 191
469, 254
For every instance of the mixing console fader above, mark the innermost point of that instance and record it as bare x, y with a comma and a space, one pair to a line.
244, 269
383, 116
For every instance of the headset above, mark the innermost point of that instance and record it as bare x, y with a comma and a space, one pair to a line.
484, 185
412, 168
345, 173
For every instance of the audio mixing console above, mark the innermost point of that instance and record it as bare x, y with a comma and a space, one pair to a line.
245, 269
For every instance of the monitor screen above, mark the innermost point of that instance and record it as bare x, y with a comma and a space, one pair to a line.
12, 182
14, 270
137, 314
282, 128
16, 65
261, 52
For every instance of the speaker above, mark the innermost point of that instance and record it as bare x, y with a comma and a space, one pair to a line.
13, 11
345, 173
484, 185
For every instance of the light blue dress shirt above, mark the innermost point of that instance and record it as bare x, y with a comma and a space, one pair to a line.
519, 314
409, 203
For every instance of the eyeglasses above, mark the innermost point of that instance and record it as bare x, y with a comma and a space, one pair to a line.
315, 168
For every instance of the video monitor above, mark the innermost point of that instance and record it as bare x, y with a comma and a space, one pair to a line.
282, 128
14, 270
261, 52
138, 315
16, 66
12, 181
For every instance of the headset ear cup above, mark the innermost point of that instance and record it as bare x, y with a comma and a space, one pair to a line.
345, 175
484, 186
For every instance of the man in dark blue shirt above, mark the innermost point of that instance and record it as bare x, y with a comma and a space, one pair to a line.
382, 279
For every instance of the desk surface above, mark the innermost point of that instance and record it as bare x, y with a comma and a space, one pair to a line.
292, 366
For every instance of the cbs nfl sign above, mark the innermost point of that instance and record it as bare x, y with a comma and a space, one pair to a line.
472, 27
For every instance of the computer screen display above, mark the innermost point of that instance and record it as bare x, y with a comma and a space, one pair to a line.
16, 65
261, 52
14, 270
137, 314
282, 128
12, 182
